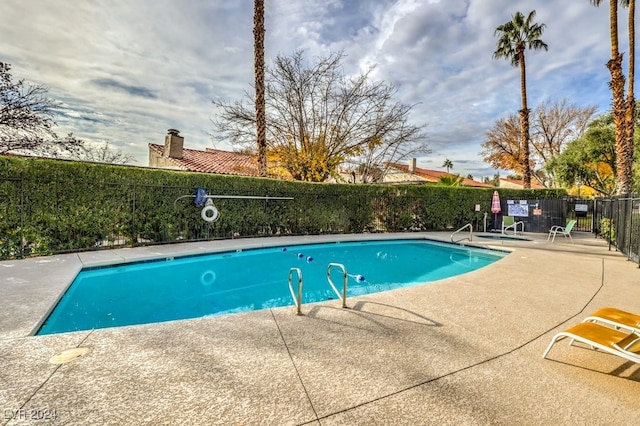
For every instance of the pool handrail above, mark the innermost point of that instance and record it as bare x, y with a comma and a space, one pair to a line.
297, 298
470, 237
342, 296
513, 226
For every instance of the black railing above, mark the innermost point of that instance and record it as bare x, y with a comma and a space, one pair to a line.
541, 215
617, 219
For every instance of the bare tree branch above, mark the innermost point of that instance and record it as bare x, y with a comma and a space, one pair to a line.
318, 119
554, 125
27, 119
103, 154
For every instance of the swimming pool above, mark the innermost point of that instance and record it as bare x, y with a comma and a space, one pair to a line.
244, 280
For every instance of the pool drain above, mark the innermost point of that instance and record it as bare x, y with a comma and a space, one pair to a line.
68, 355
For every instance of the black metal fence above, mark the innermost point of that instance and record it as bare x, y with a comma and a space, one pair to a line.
541, 215
582, 211
617, 219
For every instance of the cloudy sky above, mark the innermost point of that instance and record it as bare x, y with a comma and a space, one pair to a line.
128, 70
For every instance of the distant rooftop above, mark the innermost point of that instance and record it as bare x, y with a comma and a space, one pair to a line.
433, 176
518, 184
211, 161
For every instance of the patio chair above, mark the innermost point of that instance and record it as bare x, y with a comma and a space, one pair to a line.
616, 318
615, 342
562, 230
509, 222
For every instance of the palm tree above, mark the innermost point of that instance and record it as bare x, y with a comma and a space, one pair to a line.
448, 164
261, 125
453, 180
630, 118
624, 150
516, 36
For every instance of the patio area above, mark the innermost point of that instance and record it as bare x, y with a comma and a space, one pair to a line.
464, 350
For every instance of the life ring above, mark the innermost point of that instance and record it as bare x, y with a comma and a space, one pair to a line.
208, 277
214, 213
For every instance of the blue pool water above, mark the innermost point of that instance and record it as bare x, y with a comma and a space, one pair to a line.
238, 281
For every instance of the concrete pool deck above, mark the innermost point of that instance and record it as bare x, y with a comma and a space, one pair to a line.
464, 350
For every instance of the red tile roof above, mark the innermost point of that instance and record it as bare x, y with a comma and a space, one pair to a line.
213, 161
435, 175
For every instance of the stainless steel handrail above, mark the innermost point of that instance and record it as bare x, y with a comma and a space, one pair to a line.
470, 237
297, 298
514, 227
342, 297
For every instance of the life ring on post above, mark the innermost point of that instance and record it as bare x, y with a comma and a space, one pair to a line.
210, 217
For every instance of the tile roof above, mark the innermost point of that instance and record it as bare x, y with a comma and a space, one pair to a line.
435, 175
213, 161
520, 183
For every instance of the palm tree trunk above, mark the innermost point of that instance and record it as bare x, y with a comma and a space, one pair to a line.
631, 101
623, 160
613, 28
261, 125
524, 121
623, 183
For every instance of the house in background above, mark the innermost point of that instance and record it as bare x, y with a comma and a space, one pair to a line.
518, 184
409, 173
173, 155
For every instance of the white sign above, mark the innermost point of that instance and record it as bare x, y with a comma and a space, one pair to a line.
518, 210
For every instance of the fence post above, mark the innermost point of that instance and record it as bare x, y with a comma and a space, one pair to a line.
593, 218
134, 236
629, 224
617, 223
21, 256
638, 241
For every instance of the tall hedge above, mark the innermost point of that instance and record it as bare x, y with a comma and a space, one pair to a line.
52, 206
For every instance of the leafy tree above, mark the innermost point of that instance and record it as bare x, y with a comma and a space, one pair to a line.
495, 180
502, 147
451, 180
515, 37
554, 124
26, 119
447, 164
624, 146
591, 159
261, 126
318, 119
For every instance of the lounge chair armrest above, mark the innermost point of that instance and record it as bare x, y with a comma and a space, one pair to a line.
628, 343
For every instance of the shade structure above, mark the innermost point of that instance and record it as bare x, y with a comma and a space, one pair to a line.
495, 202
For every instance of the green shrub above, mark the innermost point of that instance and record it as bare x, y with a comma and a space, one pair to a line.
53, 206
608, 230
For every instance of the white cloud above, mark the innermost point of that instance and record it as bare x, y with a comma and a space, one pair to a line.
129, 70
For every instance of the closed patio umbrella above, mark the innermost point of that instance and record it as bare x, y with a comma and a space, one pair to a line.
495, 208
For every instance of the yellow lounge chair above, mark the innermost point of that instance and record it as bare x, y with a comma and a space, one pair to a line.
615, 342
562, 230
616, 318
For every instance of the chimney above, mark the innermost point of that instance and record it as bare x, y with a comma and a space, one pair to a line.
412, 165
173, 144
